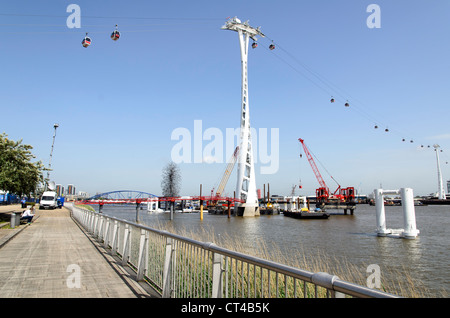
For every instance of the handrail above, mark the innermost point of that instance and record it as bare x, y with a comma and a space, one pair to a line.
221, 268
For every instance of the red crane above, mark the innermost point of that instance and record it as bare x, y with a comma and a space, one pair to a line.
323, 193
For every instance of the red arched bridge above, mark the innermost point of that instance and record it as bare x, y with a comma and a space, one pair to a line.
137, 197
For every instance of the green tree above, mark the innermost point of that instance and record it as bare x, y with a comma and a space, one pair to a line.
18, 174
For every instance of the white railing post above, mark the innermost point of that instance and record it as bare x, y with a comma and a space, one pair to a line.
91, 222
115, 235
85, 220
100, 228
142, 266
167, 270
217, 291
106, 235
95, 225
126, 245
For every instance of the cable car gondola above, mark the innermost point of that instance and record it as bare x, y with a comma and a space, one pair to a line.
347, 104
332, 100
272, 47
254, 45
86, 41
115, 35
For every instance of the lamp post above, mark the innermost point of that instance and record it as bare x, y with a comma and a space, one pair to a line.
55, 126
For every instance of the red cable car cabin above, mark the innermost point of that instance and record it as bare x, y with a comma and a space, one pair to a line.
115, 35
86, 41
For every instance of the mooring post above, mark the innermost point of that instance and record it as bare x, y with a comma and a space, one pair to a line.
409, 218
381, 214
138, 204
201, 204
409, 215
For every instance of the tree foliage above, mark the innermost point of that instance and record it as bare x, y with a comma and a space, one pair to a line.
18, 174
171, 180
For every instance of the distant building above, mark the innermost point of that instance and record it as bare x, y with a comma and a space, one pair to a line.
82, 194
448, 186
59, 189
71, 189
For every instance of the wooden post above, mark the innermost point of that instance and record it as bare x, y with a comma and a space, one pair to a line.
264, 202
229, 206
201, 204
234, 196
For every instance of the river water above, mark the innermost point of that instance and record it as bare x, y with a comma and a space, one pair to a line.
344, 237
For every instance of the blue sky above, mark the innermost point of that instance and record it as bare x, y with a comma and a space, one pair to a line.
117, 103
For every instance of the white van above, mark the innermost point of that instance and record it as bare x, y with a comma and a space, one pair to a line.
48, 200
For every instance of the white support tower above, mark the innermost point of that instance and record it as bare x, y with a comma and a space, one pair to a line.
246, 184
441, 191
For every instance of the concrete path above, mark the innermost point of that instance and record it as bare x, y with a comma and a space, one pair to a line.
54, 258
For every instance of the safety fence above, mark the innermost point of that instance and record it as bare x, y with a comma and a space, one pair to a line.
181, 267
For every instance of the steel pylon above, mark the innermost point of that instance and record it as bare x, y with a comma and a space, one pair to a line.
246, 183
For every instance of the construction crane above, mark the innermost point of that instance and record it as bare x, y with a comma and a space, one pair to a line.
323, 192
223, 182
227, 173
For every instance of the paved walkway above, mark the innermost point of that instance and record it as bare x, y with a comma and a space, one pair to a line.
44, 258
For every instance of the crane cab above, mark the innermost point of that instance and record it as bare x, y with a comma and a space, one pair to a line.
86, 41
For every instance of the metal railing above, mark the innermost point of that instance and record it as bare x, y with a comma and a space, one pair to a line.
181, 267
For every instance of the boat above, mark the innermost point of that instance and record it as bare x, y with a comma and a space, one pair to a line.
298, 208
435, 201
307, 214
